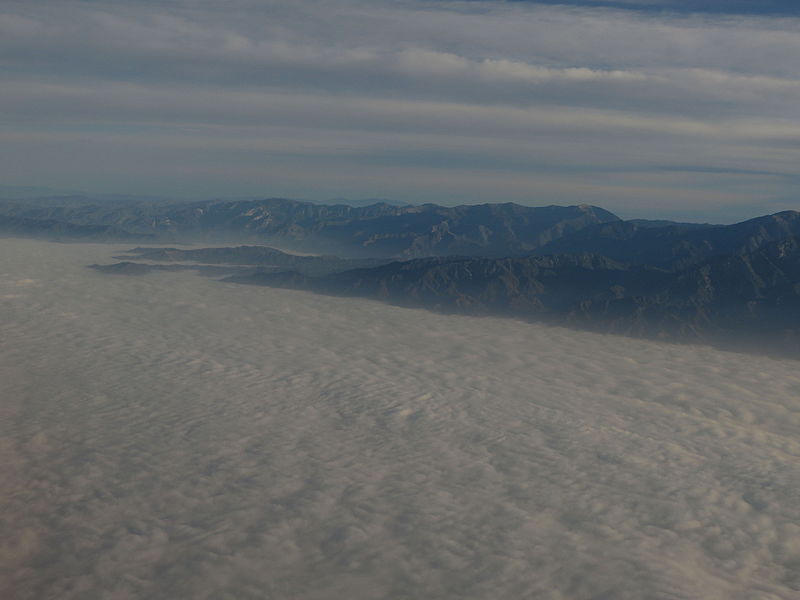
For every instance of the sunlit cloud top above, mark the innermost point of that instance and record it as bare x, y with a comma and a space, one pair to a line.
646, 108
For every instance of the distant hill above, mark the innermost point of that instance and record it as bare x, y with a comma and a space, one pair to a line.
377, 230
252, 256
52, 229
656, 223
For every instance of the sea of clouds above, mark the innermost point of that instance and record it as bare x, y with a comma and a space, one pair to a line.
169, 436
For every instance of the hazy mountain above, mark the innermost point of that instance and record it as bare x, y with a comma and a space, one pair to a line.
365, 202
135, 268
64, 231
260, 256
376, 230
656, 223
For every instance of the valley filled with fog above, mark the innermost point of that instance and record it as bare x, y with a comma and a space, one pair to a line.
170, 436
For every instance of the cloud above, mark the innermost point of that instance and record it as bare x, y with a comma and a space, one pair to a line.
262, 442
540, 78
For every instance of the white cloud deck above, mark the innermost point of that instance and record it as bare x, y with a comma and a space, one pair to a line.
169, 437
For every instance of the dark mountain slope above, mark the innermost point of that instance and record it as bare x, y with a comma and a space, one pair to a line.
750, 296
539, 285
676, 246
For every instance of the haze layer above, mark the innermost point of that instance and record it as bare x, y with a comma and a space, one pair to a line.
168, 436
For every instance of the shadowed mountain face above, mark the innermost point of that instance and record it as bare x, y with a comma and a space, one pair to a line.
676, 246
378, 230
738, 282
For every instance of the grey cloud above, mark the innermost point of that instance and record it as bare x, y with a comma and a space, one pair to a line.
538, 78
165, 105
532, 43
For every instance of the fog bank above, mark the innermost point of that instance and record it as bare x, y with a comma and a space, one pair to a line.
168, 436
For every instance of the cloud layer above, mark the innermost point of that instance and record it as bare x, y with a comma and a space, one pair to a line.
170, 436
437, 101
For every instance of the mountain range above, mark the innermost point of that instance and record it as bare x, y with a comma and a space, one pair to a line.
750, 297
379, 230
579, 266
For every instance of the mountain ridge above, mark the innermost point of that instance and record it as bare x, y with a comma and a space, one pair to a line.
752, 293
378, 230
577, 265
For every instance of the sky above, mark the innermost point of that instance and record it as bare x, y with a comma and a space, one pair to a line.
677, 108
171, 436
740, 7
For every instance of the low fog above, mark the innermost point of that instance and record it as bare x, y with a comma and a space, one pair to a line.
170, 436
